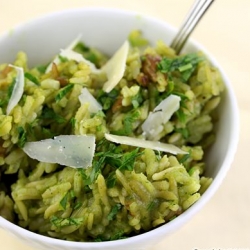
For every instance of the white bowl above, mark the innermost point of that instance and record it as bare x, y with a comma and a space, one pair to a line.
106, 29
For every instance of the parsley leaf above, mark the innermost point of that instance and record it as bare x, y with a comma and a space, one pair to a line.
63, 92
22, 137
77, 205
184, 158
64, 201
137, 100
49, 114
42, 68
107, 99
151, 205
111, 180
63, 222
31, 78
67, 197
112, 155
128, 160
115, 209
183, 131
128, 123
182, 117
185, 65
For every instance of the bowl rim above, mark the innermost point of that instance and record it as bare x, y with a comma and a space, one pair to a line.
170, 226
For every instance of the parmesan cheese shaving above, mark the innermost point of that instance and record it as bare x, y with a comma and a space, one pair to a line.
68, 150
17, 92
69, 47
154, 124
86, 97
136, 142
72, 55
115, 67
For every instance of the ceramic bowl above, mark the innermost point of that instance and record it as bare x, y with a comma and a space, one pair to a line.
106, 29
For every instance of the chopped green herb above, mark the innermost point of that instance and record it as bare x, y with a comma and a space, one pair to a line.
111, 180
118, 235
60, 222
158, 155
128, 123
3, 102
185, 65
64, 201
42, 68
152, 205
184, 158
110, 154
181, 116
183, 131
73, 122
63, 92
115, 236
77, 205
22, 137
90, 54
49, 114
47, 133
137, 100
115, 209
128, 160
31, 78
170, 86
107, 99
72, 194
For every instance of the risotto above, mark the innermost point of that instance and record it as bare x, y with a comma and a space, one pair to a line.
99, 149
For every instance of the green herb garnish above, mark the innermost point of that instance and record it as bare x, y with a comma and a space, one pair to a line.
128, 160
107, 99
128, 123
49, 114
22, 137
183, 131
77, 205
184, 158
42, 68
64, 201
137, 100
31, 78
63, 92
59, 222
185, 65
115, 209
152, 205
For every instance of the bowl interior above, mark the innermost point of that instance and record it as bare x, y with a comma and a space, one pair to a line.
106, 29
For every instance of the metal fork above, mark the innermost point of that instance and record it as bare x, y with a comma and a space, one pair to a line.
195, 14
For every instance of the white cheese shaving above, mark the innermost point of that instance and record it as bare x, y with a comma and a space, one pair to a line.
68, 150
69, 47
72, 55
154, 124
17, 92
115, 67
136, 142
87, 97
